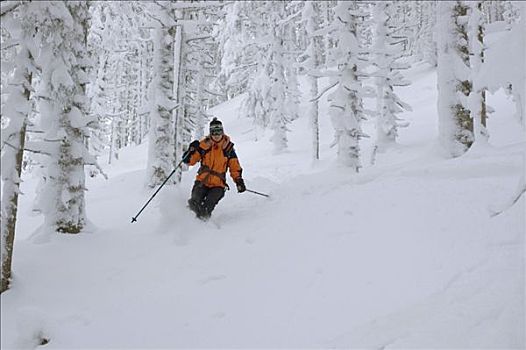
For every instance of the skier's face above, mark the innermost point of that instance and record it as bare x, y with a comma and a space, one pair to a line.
217, 138
216, 131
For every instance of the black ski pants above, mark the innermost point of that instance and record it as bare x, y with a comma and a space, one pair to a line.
204, 199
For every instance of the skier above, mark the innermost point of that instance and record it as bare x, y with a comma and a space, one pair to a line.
216, 154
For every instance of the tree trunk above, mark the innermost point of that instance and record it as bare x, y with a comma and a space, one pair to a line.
178, 93
314, 117
11, 190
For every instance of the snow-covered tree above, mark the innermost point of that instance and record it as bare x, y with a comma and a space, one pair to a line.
345, 103
425, 47
255, 59
107, 42
271, 86
519, 82
407, 19
454, 84
477, 96
387, 51
200, 66
15, 112
63, 105
121, 48
178, 91
268, 92
327, 18
293, 40
183, 119
506, 59
275, 93
248, 59
311, 60
237, 46
163, 95
500, 11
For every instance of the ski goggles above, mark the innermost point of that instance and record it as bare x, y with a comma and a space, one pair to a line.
216, 130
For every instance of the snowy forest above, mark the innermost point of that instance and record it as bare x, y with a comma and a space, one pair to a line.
388, 139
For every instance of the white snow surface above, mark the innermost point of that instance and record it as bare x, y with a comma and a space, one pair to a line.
404, 254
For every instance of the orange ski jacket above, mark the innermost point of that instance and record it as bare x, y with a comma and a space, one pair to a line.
216, 158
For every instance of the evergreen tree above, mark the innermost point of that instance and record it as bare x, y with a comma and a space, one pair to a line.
387, 52
200, 67
345, 103
15, 112
257, 44
179, 83
311, 60
118, 93
255, 58
454, 84
425, 42
477, 96
163, 98
63, 111
238, 46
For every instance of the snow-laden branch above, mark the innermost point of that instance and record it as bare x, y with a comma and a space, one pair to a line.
34, 131
323, 92
245, 66
26, 149
10, 46
8, 7
214, 93
90, 160
196, 38
289, 18
112, 115
187, 5
322, 73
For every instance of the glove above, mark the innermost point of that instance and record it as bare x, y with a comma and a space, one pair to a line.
194, 146
240, 185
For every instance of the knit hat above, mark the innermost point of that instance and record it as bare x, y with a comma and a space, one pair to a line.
216, 127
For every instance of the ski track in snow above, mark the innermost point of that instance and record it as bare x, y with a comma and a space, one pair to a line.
402, 255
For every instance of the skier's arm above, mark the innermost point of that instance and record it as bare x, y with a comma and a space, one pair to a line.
235, 168
193, 154
233, 163
194, 158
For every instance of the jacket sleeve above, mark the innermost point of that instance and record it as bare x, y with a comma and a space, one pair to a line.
233, 164
196, 156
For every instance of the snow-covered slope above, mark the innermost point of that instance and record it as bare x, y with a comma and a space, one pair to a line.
404, 254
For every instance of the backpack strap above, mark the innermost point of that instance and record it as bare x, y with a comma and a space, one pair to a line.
229, 151
206, 169
208, 143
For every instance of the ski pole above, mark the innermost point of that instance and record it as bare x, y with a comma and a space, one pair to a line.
134, 219
261, 194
